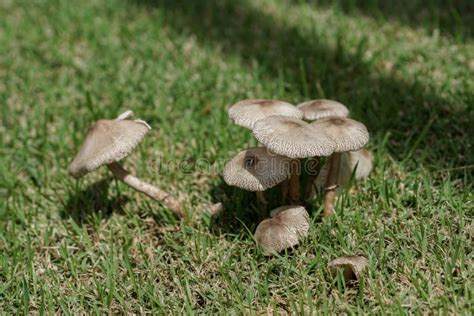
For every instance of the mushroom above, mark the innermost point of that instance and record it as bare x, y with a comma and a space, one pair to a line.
346, 135
256, 169
353, 267
284, 229
245, 113
359, 160
318, 109
315, 110
293, 138
109, 141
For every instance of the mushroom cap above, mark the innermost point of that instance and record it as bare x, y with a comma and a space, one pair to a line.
256, 169
107, 141
292, 137
360, 159
318, 109
293, 215
286, 227
245, 113
353, 266
345, 133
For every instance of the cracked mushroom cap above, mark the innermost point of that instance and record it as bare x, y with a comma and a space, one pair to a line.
292, 137
346, 134
283, 230
318, 109
108, 141
256, 169
353, 266
245, 113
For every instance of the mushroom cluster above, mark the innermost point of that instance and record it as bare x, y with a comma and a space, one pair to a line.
314, 130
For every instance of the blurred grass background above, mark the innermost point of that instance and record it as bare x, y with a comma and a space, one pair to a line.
403, 68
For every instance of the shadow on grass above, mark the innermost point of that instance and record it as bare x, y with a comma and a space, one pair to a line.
419, 122
242, 209
455, 18
93, 202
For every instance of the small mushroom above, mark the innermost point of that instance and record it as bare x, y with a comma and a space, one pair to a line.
353, 267
360, 160
245, 113
256, 169
284, 229
346, 135
293, 138
318, 109
109, 141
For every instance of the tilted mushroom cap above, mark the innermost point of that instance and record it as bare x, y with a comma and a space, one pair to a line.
292, 137
353, 266
346, 134
256, 169
107, 141
286, 227
245, 113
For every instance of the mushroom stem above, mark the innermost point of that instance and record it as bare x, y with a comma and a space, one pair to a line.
263, 202
331, 184
261, 197
314, 167
284, 187
295, 182
146, 188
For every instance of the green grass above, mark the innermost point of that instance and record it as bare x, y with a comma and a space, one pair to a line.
93, 245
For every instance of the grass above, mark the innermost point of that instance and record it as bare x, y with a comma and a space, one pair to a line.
95, 246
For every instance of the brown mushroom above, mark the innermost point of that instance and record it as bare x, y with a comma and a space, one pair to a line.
318, 109
346, 135
245, 113
284, 229
352, 267
358, 162
293, 138
109, 141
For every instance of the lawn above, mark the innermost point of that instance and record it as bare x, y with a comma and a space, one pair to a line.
93, 245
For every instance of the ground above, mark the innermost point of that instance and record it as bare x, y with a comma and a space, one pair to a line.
93, 245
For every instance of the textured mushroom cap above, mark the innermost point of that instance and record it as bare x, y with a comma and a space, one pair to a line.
346, 134
293, 215
107, 141
286, 227
353, 266
318, 109
245, 113
256, 169
292, 137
